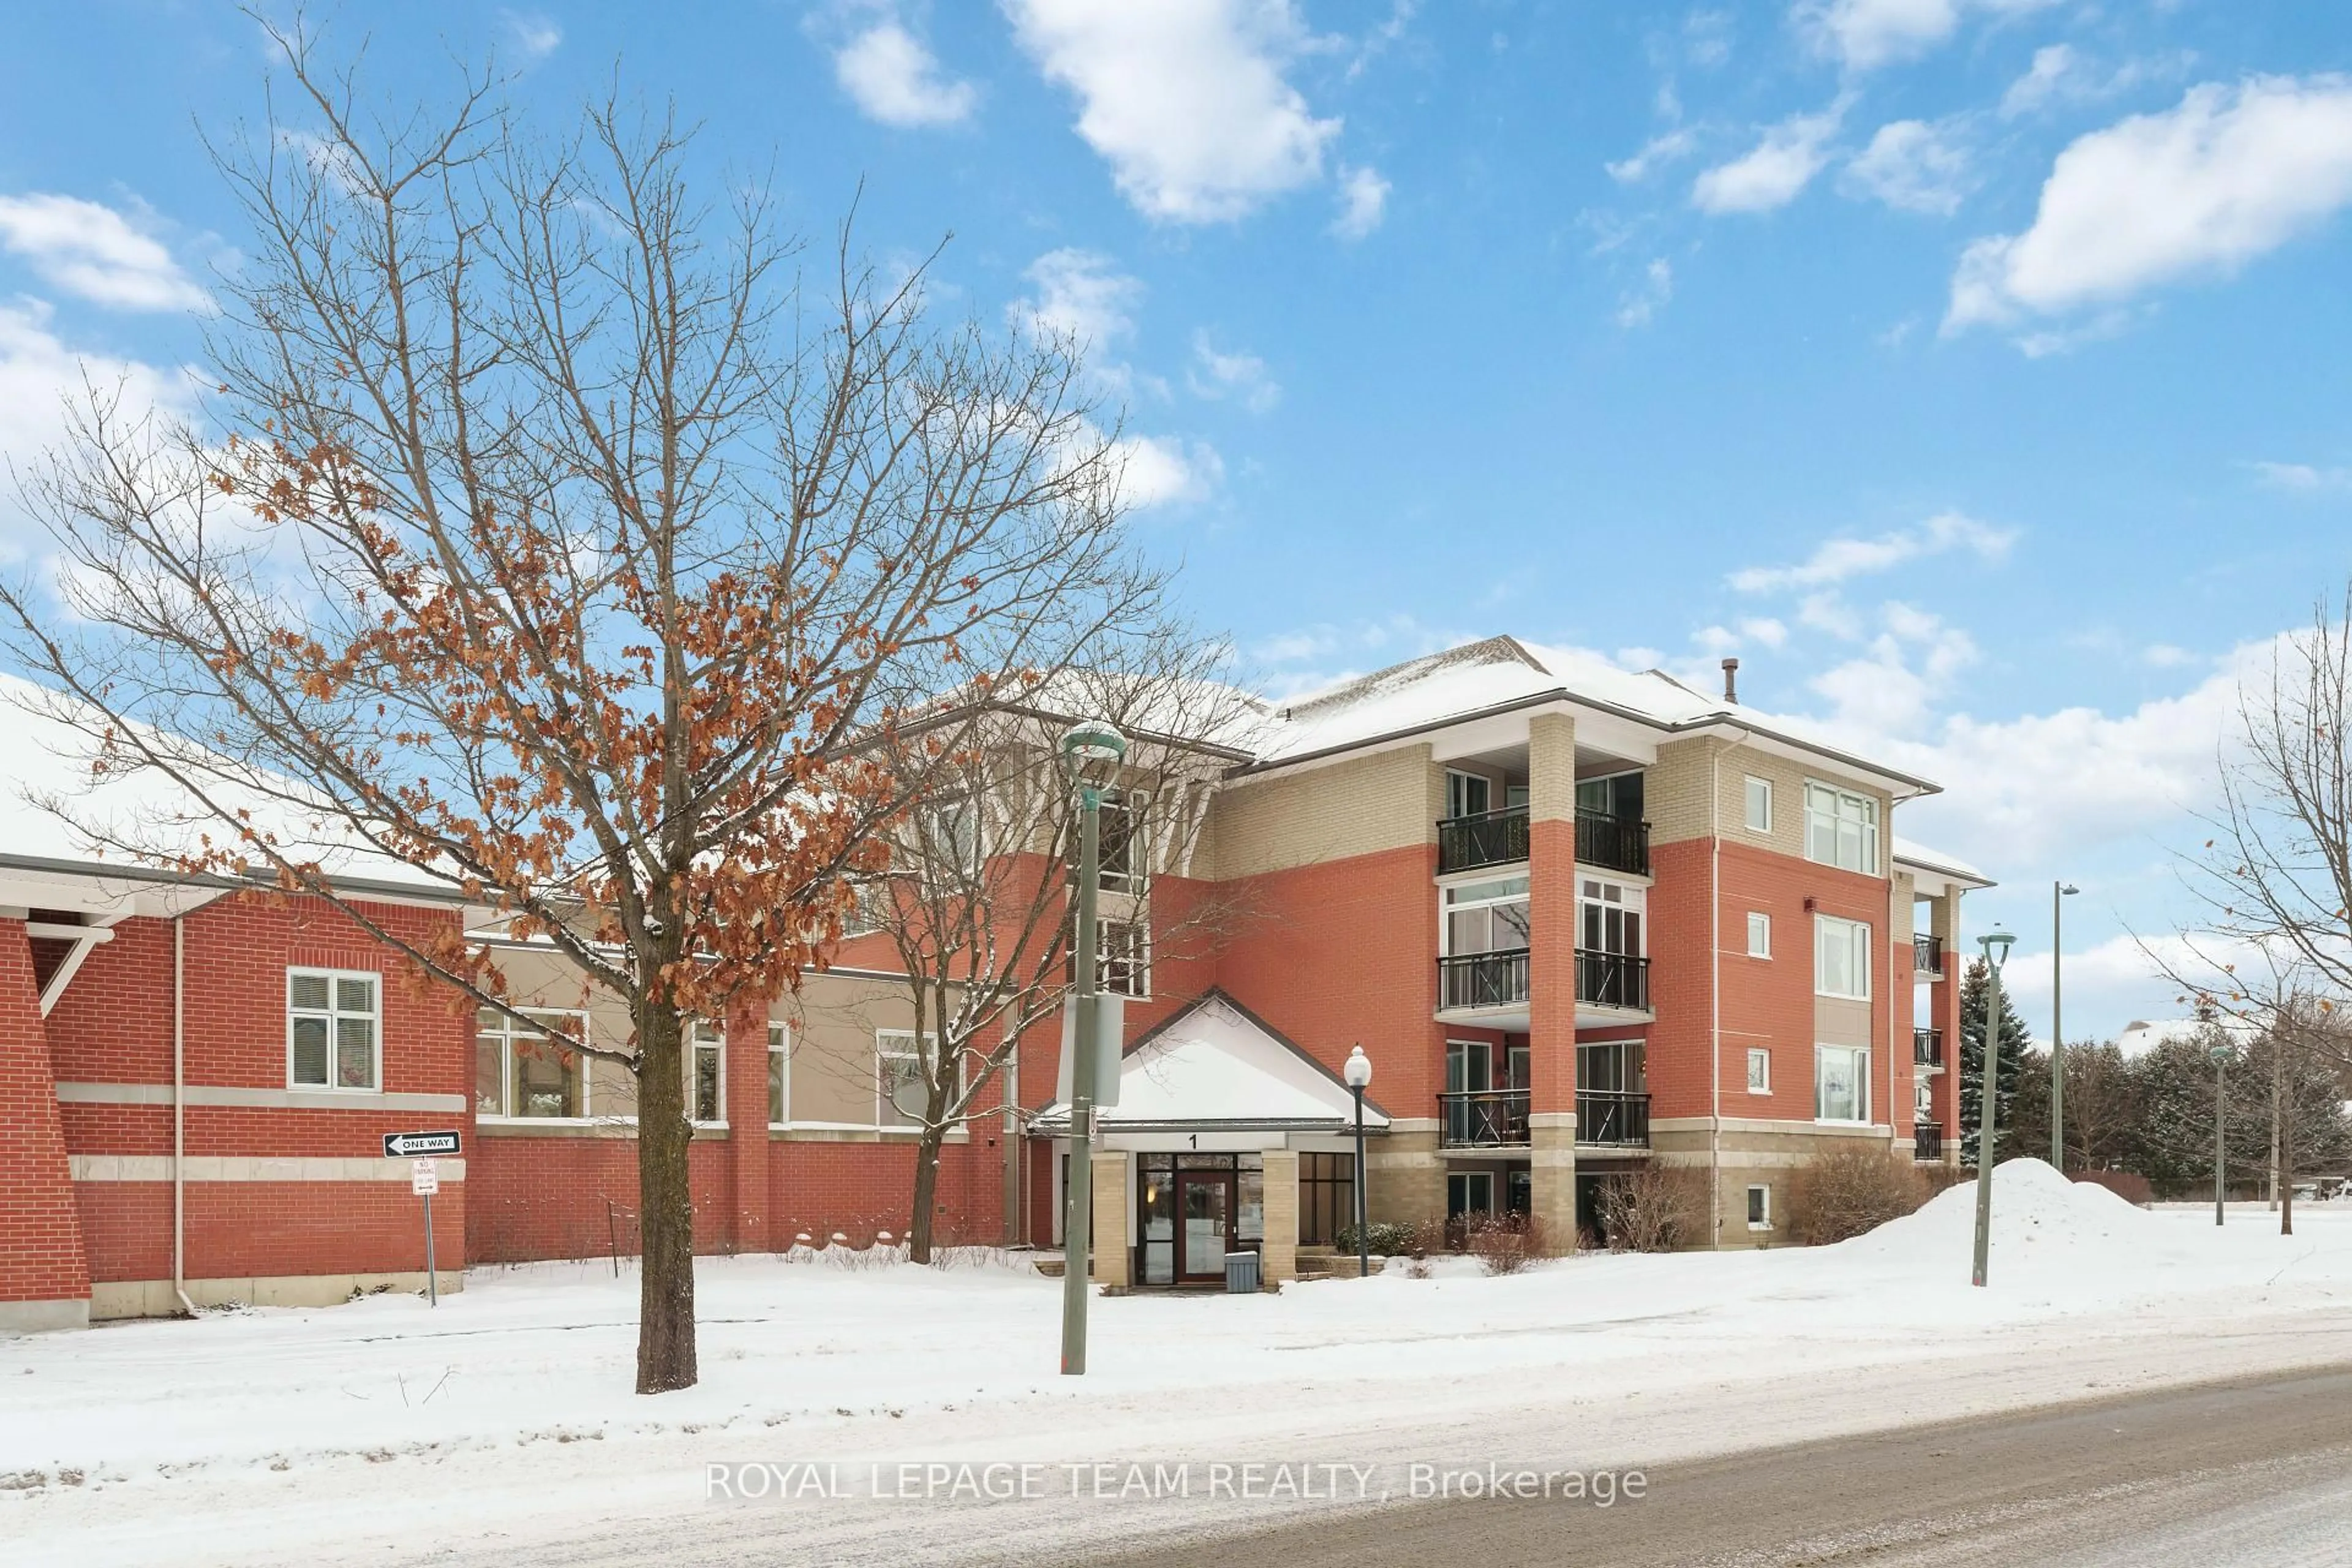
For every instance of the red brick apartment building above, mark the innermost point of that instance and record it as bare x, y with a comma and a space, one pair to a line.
1581, 919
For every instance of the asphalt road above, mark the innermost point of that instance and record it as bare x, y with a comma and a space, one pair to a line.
2256, 1471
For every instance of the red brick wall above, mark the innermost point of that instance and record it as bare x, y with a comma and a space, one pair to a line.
41, 1255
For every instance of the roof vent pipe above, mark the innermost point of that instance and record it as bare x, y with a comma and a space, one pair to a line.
1731, 680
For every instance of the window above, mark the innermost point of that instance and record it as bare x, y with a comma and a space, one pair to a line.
1469, 1193
706, 1073
1759, 935
1124, 965
1327, 1197
902, 1092
1841, 958
1610, 917
1842, 1083
1119, 843
519, 1072
869, 905
1923, 1103
1841, 828
1611, 1066
780, 1069
1618, 796
331, 1037
1759, 804
1760, 1071
947, 842
1466, 794
1486, 917
1759, 1209
1515, 797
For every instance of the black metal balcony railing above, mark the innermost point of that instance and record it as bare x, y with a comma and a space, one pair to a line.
1606, 1116
1483, 979
1613, 843
1484, 838
1483, 1119
1928, 1048
1928, 954
1927, 1140
1613, 980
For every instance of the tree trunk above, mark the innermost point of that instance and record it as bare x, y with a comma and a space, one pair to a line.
665, 1358
2286, 1136
927, 1188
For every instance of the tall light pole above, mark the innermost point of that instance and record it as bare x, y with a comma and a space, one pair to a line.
2220, 1051
1996, 944
1358, 1074
1084, 746
2058, 894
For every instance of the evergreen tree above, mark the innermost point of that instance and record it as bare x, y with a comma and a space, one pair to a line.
2008, 1058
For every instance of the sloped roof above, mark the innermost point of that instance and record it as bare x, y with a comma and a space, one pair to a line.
1217, 1064
1911, 852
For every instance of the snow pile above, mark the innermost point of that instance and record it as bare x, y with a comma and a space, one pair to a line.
2039, 1217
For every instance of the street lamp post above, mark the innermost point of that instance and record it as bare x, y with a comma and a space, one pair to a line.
2220, 1055
1996, 944
2058, 893
1358, 1074
1085, 745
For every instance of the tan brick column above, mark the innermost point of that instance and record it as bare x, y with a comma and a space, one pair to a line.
1112, 1215
1278, 1252
1551, 975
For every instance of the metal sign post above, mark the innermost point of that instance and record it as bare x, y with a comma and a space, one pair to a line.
425, 1180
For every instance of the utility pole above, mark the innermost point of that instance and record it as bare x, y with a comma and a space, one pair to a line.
1996, 944
2058, 892
1084, 744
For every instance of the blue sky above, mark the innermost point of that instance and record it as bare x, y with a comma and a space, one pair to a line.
1975, 370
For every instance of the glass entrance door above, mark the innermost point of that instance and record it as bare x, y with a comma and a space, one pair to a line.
1204, 1209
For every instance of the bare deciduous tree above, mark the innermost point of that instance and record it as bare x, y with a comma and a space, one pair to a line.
543, 532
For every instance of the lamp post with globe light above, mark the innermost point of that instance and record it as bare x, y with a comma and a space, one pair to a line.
2058, 895
1085, 747
1358, 1074
1996, 944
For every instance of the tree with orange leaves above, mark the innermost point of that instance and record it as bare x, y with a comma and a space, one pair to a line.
544, 533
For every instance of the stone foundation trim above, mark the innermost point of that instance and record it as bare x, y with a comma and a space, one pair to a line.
155, 1297
240, 1168
43, 1317
262, 1099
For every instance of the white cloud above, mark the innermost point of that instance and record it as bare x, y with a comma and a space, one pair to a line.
92, 250
2056, 66
1080, 295
1891, 688
1771, 175
1761, 631
2197, 190
1666, 147
1161, 470
1706, 38
2302, 478
38, 372
1913, 166
1185, 98
1837, 560
1364, 203
535, 35
892, 77
1641, 306
1862, 35
2061, 73
1217, 375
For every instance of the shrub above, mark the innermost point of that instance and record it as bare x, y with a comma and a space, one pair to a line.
1388, 1239
1504, 1243
1653, 1209
1844, 1191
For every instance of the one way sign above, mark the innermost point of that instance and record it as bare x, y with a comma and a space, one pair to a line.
408, 1145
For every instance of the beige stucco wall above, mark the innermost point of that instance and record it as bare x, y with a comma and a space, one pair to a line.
1754, 1153
1678, 790
1387, 800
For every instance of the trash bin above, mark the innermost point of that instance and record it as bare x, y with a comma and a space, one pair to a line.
1240, 1273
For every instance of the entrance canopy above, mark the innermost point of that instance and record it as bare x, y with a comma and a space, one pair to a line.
1218, 1066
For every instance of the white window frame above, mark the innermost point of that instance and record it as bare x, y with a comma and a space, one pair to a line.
1754, 1191
1484, 782
1861, 1085
967, 857
1836, 807
333, 1014
696, 1041
1760, 1082
1830, 933
1519, 892
1753, 791
1628, 899
1138, 980
1759, 934
780, 1073
910, 1051
576, 1024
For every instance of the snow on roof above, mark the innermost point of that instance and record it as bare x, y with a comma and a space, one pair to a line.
47, 797
1911, 852
1216, 1063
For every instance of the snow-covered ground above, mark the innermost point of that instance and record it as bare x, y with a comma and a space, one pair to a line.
386, 1430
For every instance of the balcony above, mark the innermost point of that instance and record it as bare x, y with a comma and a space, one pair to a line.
1928, 1048
1486, 839
1613, 1119
1928, 956
1483, 1119
1927, 1142
1473, 980
1612, 980
1613, 843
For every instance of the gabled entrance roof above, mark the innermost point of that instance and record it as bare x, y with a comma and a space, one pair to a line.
1218, 1064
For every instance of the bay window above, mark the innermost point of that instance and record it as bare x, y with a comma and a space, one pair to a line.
1490, 916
